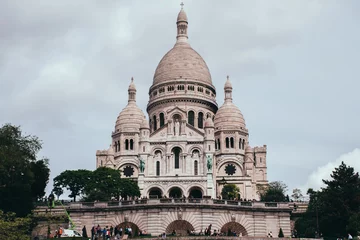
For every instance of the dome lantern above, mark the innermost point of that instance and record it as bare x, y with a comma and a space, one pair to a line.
182, 25
132, 91
228, 90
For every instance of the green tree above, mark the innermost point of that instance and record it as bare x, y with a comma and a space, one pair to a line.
14, 228
58, 191
274, 192
19, 183
74, 181
230, 191
297, 194
335, 207
41, 172
104, 183
129, 188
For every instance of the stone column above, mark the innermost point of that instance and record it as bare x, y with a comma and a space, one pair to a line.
183, 125
170, 128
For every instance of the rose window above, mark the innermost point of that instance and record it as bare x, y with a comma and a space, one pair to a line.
230, 169
128, 171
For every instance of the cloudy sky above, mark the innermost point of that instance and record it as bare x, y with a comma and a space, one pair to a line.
65, 67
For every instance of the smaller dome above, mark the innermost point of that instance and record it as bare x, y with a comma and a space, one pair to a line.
209, 123
229, 117
130, 119
182, 16
144, 124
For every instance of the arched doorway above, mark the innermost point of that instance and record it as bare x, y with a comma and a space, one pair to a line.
155, 192
195, 192
133, 226
233, 227
175, 192
180, 227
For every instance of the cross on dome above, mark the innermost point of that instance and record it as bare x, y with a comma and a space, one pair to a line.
182, 5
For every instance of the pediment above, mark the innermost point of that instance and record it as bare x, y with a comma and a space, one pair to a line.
176, 109
160, 133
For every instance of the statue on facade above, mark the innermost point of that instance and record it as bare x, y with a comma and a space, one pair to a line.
209, 162
177, 127
142, 165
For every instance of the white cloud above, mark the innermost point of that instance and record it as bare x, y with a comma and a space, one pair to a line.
314, 180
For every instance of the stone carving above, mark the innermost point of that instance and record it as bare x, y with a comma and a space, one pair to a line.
177, 127
180, 214
233, 218
126, 218
142, 165
209, 162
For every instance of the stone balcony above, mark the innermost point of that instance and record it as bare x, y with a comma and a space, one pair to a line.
169, 203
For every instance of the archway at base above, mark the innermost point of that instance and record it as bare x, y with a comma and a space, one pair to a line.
175, 192
181, 227
195, 192
134, 228
155, 192
231, 227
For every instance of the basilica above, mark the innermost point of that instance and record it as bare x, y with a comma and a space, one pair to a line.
188, 147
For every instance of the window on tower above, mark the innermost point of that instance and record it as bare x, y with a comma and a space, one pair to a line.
200, 120
162, 119
126, 144
219, 146
232, 142
157, 168
154, 122
195, 167
191, 117
131, 144
227, 142
176, 152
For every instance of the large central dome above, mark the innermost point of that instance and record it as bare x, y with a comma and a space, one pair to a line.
182, 61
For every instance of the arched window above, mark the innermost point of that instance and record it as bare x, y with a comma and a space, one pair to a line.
191, 117
118, 146
216, 147
227, 142
243, 144
131, 144
154, 123
219, 146
240, 142
157, 168
176, 152
232, 142
195, 167
143, 148
162, 119
200, 120
126, 144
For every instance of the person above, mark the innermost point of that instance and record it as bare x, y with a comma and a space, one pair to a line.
349, 236
93, 233
84, 232
111, 231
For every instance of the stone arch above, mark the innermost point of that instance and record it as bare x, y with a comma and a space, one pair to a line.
231, 161
234, 227
195, 192
177, 114
147, 190
158, 148
181, 227
135, 229
193, 148
155, 191
176, 192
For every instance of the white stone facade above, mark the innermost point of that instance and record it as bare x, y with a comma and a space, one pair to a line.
189, 146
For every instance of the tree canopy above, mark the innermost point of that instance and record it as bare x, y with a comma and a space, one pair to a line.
73, 180
274, 192
335, 207
23, 177
230, 191
102, 184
